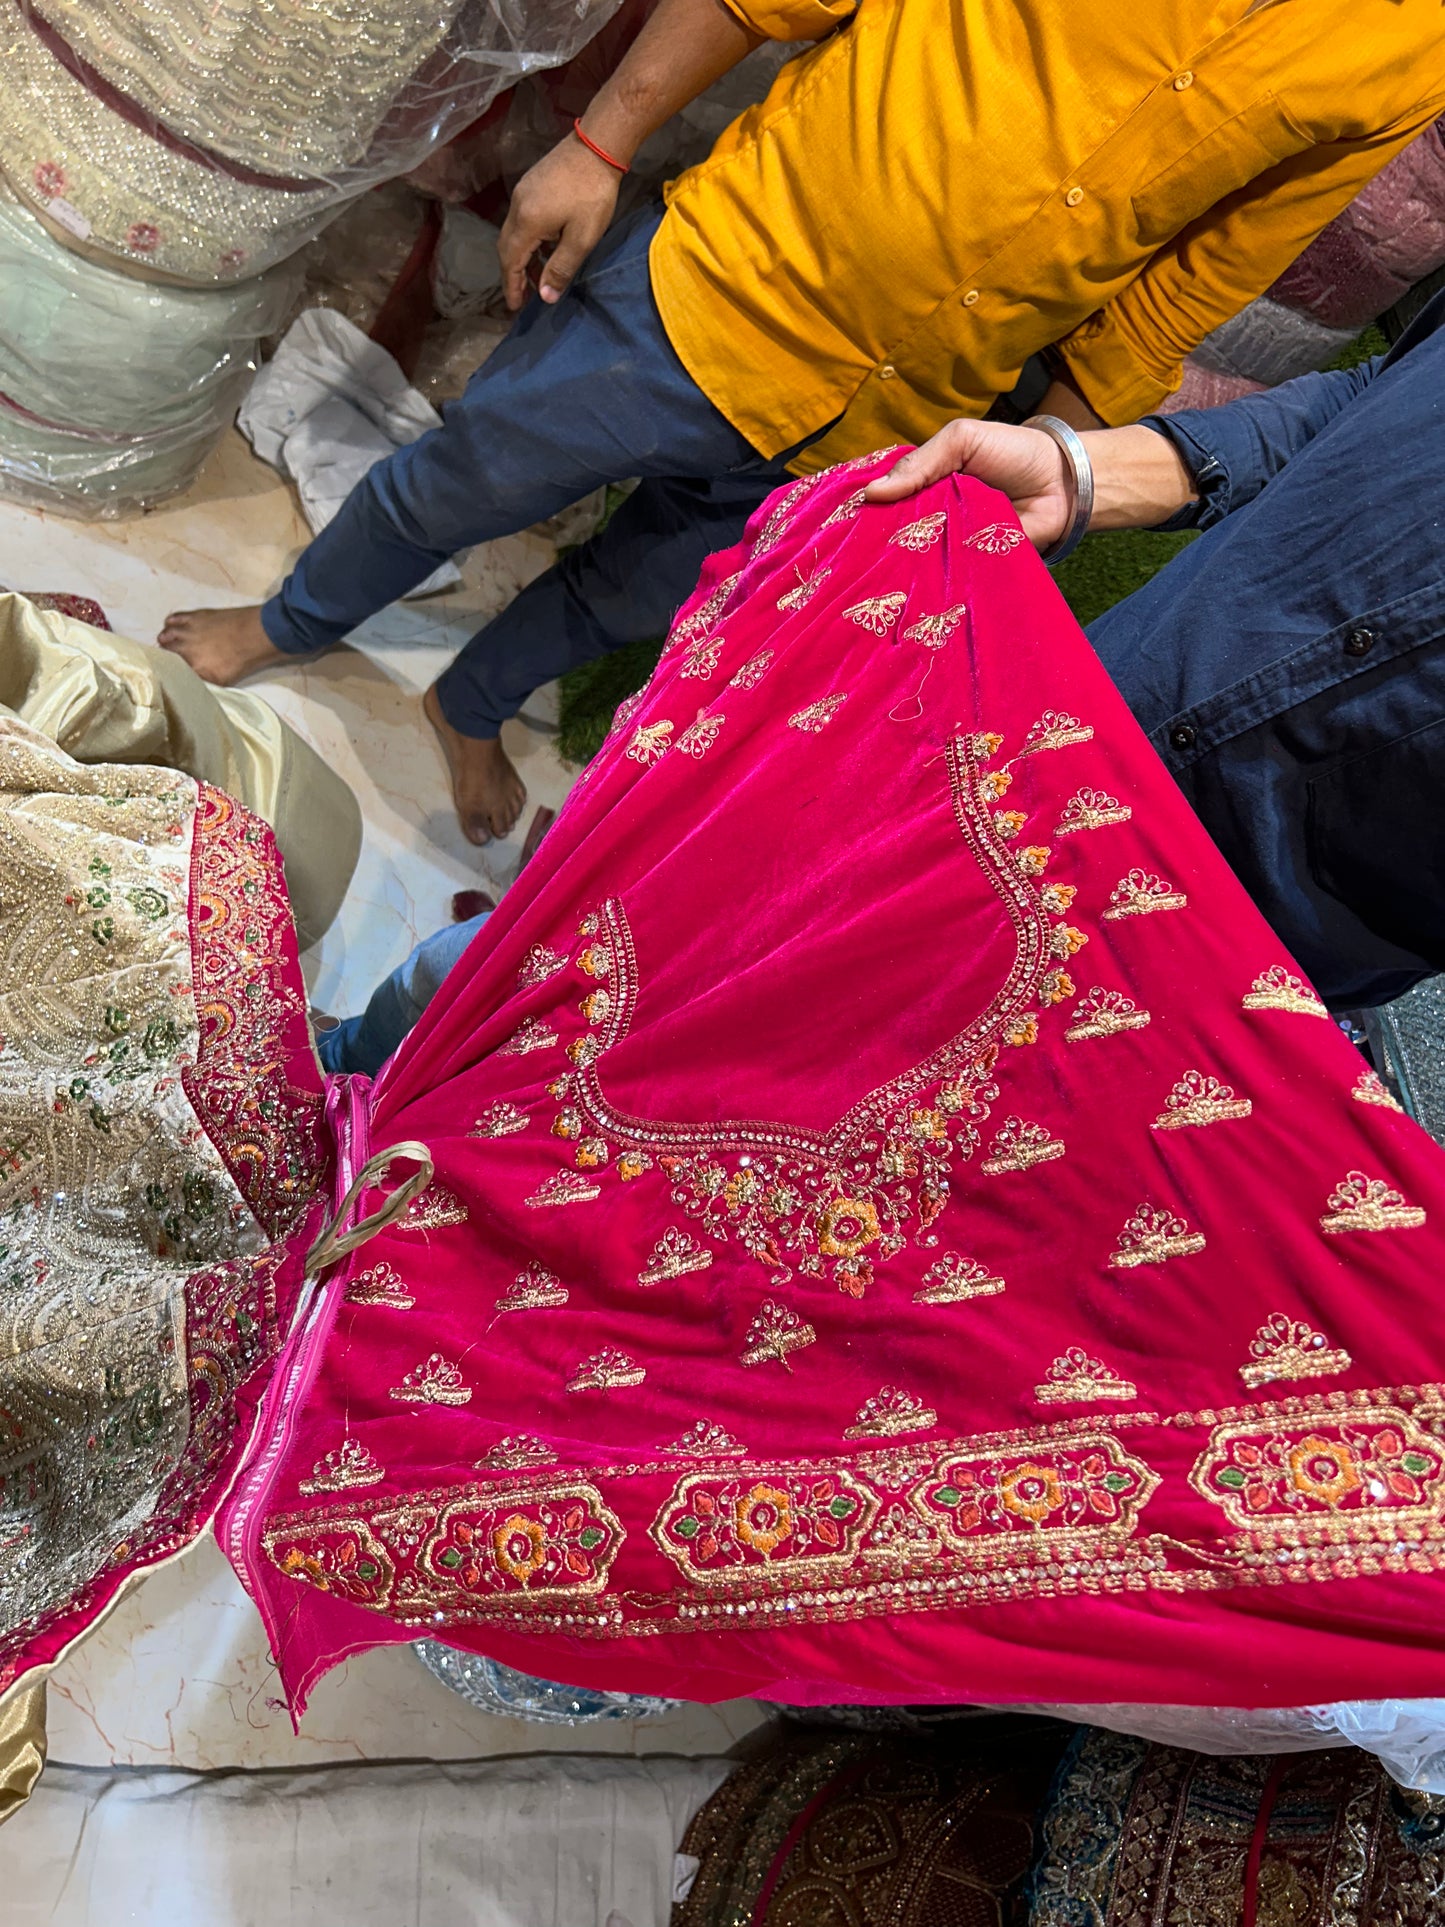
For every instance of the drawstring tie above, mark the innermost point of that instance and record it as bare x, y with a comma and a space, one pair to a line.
358, 1170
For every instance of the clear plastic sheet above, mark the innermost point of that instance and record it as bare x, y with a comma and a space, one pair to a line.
203, 144
494, 1688
113, 390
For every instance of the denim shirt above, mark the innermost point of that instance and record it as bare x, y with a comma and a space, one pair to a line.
1289, 666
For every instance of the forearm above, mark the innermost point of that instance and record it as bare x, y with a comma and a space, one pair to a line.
683, 49
1140, 479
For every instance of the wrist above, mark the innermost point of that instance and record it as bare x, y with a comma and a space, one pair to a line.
1140, 478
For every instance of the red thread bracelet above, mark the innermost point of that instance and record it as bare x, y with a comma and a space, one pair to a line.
601, 152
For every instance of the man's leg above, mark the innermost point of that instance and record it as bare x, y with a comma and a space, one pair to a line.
364, 1043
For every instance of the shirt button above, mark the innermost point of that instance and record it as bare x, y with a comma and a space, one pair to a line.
970, 297
1181, 81
1182, 736
887, 372
1359, 642
1074, 196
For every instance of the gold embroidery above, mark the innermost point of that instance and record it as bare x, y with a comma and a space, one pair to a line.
752, 671
702, 1440
564, 1187
1151, 1236
592, 1153
595, 960
702, 659
632, 1164
1008, 823
1199, 1100
609, 1370
1104, 1013
1358, 1203
698, 738
889, 1413
1092, 810
1370, 1088
923, 534
1278, 989
1057, 897
879, 613
1066, 941
817, 715
674, 1256
380, 1285
499, 1120
703, 617
1024, 1032
1141, 893
538, 965
1289, 1348
534, 1289
349, 1466
1034, 860
1020, 1146
934, 631
436, 1208
649, 743
517, 1452
1075, 1378
437, 1382
596, 1006
584, 1051
803, 594
775, 1332
846, 509
533, 1033
567, 1123
1055, 729
1056, 988
952, 1280
999, 538
995, 783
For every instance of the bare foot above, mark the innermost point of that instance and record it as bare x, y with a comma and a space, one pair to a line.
221, 645
487, 790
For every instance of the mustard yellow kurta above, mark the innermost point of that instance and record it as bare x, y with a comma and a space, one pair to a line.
944, 187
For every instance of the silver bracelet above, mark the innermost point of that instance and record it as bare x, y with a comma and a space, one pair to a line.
1082, 469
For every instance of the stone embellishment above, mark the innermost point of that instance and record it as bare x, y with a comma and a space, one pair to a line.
1370, 1088
650, 743
345, 1469
816, 716
702, 659
1140, 894
1289, 1348
609, 1370
533, 1033
878, 614
535, 1289
925, 533
1279, 989
698, 738
846, 509
517, 1452
1092, 810
753, 670
1056, 729
890, 1413
500, 1120
436, 1208
998, 538
538, 965
803, 594
934, 631
437, 1382
953, 1280
703, 1440
564, 1187
1020, 1146
1199, 1100
380, 1285
1151, 1236
775, 1332
1358, 1203
1105, 1013
673, 1256
1076, 1379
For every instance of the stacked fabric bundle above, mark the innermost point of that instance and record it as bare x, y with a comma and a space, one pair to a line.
197, 149
1389, 239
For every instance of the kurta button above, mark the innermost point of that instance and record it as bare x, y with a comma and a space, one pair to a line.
1181, 81
1074, 196
887, 372
1182, 736
970, 297
1359, 642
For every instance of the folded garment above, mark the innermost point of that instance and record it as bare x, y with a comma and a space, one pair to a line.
1270, 343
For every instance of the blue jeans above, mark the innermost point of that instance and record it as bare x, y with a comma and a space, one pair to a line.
364, 1043
581, 393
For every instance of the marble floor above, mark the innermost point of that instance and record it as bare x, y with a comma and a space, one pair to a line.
180, 1674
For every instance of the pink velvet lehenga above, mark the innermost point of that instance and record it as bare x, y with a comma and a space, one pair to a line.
901, 1227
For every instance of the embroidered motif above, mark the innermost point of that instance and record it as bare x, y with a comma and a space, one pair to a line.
1141, 893
567, 1123
1034, 860
952, 1280
1151, 1236
1057, 897
624, 713
846, 509
775, 1332
595, 960
890, 1413
533, 1033
534, 1289
702, 659
1075, 1378
1278, 989
437, 1382
934, 631
675, 1255
500, 1120
1092, 810
649, 743
1020, 1146
702, 1440
1056, 987
1372, 1472
879, 613
700, 736
999, 538
584, 1051
925, 533
592, 1153
1066, 941
779, 517
609, 1370
517, 1452
1289, 1348
1024, 1032
1104, 1013
632, 1164
1370, 1088
1358, 1203
564, 1187
1008, 823
1199, 1100
538, 965
752, 671
803, 594
349, 1466
706, 613
596, 1006
436, 1208
817, 715
1055, 729
380, 1285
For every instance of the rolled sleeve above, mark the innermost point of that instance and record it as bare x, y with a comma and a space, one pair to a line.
791, 19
